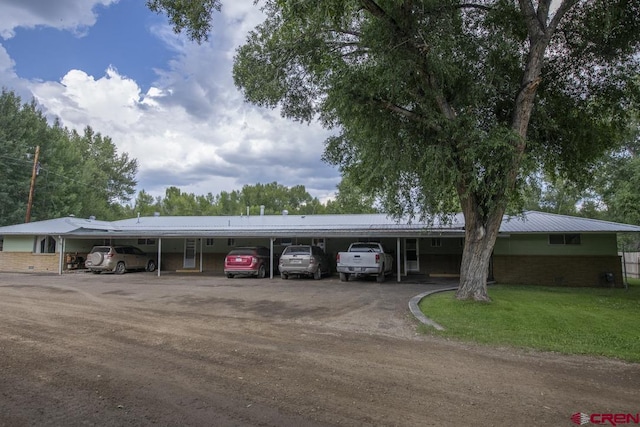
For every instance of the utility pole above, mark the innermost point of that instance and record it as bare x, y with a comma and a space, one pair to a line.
34, 172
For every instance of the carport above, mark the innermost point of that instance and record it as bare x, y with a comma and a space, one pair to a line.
532, 248
335, 232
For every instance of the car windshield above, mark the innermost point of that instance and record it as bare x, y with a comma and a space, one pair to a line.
103, 249
243, 251
364, 248
297, 250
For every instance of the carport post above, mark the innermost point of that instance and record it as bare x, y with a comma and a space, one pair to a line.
159, 254
398, 258
271, 257
61, 263
201, 255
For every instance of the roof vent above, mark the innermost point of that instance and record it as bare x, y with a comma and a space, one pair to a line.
156, 214
261, 210
92, 217
285, 212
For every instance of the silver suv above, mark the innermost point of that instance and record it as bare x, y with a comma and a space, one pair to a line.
119, 259
304, 260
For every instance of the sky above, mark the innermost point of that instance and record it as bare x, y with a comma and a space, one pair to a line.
168, 102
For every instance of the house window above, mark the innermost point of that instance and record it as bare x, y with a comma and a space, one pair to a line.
283, 241
209, 241
564, 239
146, 241
231, 242
436, 242
45, 245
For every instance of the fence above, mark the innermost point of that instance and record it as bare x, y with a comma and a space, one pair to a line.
631, 264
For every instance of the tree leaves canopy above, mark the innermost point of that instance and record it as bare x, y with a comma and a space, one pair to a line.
191, 16
444, 105
422, 93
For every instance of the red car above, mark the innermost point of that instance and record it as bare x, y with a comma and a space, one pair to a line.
247, 261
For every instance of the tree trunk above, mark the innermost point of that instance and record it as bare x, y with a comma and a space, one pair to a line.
483, 217
480, 237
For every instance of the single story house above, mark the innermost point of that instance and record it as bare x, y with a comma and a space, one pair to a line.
532, 248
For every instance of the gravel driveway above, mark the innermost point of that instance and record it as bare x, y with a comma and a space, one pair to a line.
82, 349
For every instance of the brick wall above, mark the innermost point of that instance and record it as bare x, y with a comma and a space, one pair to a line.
28, 262
440, 264
557, 270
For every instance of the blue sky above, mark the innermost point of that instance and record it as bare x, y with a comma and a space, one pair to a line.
168, 102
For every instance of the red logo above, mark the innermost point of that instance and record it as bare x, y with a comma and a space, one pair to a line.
614, 420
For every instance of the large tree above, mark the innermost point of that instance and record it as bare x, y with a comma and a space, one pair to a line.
439, 97
446, 104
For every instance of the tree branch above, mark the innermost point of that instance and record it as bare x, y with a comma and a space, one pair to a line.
473, 6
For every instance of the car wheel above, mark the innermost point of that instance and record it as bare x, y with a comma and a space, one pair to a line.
151, 266
344, 277
229, 276
95, 271
262, 272
120, 268
317, 275
284, 276
380, 277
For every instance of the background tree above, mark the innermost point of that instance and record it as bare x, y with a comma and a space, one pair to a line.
618, 180
177, 203
145, 205
442, 100
103, 180
22, 128
351, 199
78, 174
273, 196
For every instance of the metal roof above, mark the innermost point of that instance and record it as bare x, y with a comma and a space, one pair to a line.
281, 226
379, 225
542, 222
58, 226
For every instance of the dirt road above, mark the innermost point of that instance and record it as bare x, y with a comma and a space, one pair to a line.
139, 350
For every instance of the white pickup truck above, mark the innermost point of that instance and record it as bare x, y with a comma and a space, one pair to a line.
364, 259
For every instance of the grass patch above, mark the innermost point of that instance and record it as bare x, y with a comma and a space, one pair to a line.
590, 321
633, 282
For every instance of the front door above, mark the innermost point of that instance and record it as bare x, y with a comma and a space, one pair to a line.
411, 259
318, 242
189, 253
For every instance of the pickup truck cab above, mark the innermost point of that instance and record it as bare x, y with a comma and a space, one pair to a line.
364, 259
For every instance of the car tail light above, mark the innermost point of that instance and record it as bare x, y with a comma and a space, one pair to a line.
254, 260
377, 258
338, 258
312, 261
109, 255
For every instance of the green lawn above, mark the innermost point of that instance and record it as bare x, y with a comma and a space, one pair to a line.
594, 321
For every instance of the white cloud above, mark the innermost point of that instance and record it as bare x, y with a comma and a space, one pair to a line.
9, 79
72, 15
192, 129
